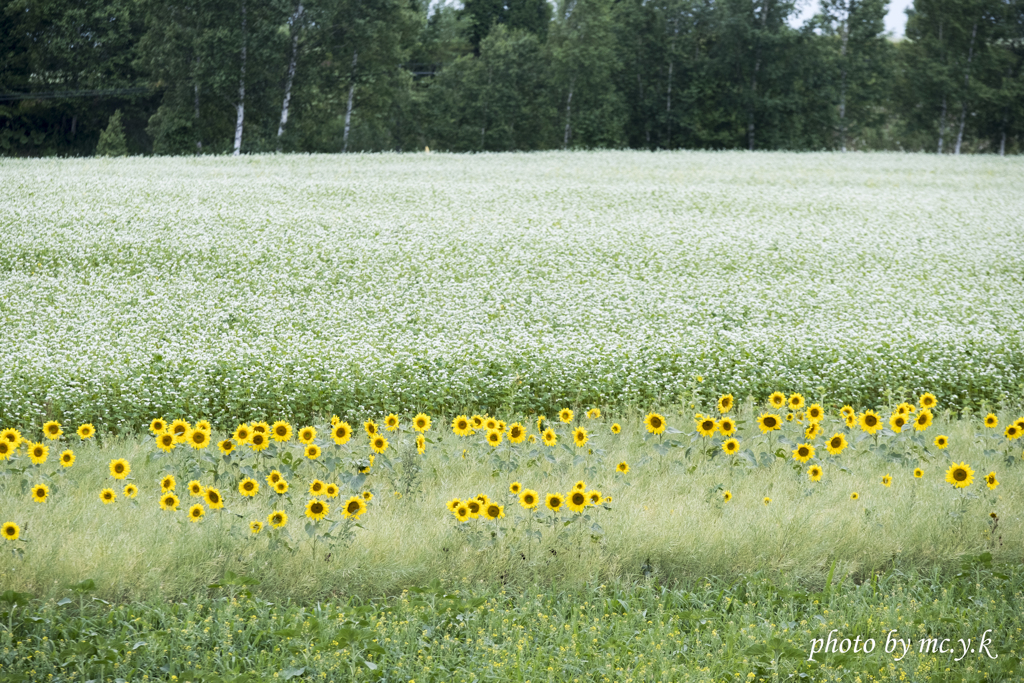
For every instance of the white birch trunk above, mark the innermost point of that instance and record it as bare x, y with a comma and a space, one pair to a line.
348, 109
195, 126
568, 114
291, 74
241, 91
942, 123
967, 80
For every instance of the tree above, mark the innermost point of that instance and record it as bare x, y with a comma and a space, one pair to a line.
112, 141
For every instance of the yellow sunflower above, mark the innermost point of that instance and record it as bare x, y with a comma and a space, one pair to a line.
493, 511
577, 501
726, 496
579, 437
40, 492
815, 413
255, 526
896, 422
854, 496
593, 497
52, 430
452, 504
554, 501
796, 402
168, 483
516, 433
1012, 432
281, 487
655, 423
565, 415
248, 487
38, 453
851, 421
166, 442
130, 491
196, 512
277, 519
768, 422
622, 467
991, 480
847, 411
306, 435
213, 498
86, 431
478, 421
918, 473
371, 427
462, 426
923, 420
814, 473
462, 513
354, 507
195, 489
927, 401
725, 403
813, 430
837, 444
529, 499
421, 423
887, 480
10, 531
368, 495
179, 428
378, 444
494, 437
766, 500
119, 469
331, 490
316, 487
204, 426
960, 475
777, 400
108, 496
707, 427
341, 433
593, 413
726, 426
941, 442
261, 428
421, 444
391, 422
870, 422
549, 437
226, 446
7, 450
731, 446
991, 421
157, 426
169, 501
515, 487
311, 451
803, 452
242, 433
281, 431
259, 442
616, 428
317, 510
67, 458
198, 439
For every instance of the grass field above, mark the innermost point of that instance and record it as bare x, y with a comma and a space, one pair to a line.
239, 289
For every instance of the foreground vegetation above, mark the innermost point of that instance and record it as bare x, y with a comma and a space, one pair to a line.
753, 629
296, 287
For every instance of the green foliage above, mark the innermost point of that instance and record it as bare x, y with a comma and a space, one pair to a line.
112, 141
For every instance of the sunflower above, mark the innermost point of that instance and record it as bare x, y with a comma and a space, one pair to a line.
593, 413
378, 444
248, 487
796, 402
67, 458
40, 492
813, 430
622, 467
731, 446
814, 473
462, 513
316, 487
341, 433
391, 422
726, 496
242, 433
941, 442
226, 446
52, 430
918, 473
179, 428
851, 421
10, 531
38, 453
213, 498
461, 426
549, 437
493, 511
927, 400
306, 435
579, 437
421, 423
554, 501
317, 510
616, 428
593, 497
655, 423
991, 480
1012, 432
130, 491
815, 413
494, 437
847, 410
837, 444
335, 420
803, 452
86, 431
108, 496
261, 428
169, 501
166, 442
529, 499
707, 427
870, 422
331, 490
371, 427
281, 487
923, 420
565, 415
259, 442
789, 417
725, 403
255, 526
6, 450
167, 483
516, 433
1020, 423
354, 507
482, 498
119, 469
158, 425
452, 504
777, 400
577, 500
991, 421
960, 475
768, 422
887, 480
195, 489
277, 519
532, 438
478, 421
854, 496
198, 439
281, 431
726, 426
766, 500
896, 422
421, 444
364, 469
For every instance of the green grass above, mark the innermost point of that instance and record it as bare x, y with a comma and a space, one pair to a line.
753, 629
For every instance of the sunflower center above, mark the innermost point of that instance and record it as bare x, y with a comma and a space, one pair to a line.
119, 468
870, 420
317, 508
655, 422
960, 474
835, 442
247, 486
803, 452
769, 421
353, 507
